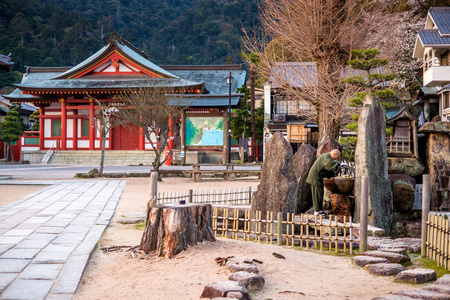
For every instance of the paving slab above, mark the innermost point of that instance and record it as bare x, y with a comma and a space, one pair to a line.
11, 265
28, 289
47, 237
6, 279
20, 253
41, 271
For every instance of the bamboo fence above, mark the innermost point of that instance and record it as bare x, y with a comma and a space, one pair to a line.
438, 238
220, 196
304, 231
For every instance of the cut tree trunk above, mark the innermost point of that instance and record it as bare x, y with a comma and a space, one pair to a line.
171, 228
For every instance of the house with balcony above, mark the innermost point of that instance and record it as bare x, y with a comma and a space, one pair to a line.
432, 49
288, 113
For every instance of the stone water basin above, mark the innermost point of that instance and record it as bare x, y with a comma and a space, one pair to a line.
339, 185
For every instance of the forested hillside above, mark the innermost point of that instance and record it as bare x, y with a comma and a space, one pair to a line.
65, 32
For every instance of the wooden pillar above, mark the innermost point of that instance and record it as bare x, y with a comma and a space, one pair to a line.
363, 214
183, 137
63, 124
415, 143
170, 141
141, 137
225, 136
75, 130
426, 196
41, 127
91, 125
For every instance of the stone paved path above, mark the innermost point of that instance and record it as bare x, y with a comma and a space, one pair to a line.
47, 237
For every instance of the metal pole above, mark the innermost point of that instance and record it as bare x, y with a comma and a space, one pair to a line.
363, 216
425, 211
229, 118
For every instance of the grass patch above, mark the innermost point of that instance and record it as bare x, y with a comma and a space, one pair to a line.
429, 264
140, 226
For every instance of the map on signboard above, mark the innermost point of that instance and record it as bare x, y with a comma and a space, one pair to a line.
204, 131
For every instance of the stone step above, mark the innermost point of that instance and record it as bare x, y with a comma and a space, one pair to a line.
89, 157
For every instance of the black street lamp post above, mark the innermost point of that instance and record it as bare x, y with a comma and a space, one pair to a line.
229, 82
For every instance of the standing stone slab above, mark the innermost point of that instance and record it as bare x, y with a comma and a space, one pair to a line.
303, 160
371, 161
327, 145
278, 188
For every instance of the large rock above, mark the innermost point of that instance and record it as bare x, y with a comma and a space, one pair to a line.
368, 260
403, 187
405, 165
392, 257
371, 161
437, 158
237, 264
251, 281
227, 289
423, 294
278, 188
327, 145
418, 275
303, 160
384, 269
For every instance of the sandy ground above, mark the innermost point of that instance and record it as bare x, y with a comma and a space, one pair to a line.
302, 275
10, 193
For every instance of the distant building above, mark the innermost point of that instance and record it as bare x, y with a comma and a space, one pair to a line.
432, 49
286, 113
5, 62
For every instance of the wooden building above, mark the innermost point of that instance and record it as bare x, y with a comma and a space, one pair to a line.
65, 95
403, 141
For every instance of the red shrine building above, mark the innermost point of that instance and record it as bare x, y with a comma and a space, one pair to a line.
64, 96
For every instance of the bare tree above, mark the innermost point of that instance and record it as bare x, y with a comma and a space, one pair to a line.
104, 121
323, 32
155, 112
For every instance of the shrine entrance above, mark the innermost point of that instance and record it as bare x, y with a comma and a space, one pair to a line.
125, 137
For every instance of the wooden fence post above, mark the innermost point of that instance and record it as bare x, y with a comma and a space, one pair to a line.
250, 194
425, 210
280, 228
153, 186
364, 212
191, 192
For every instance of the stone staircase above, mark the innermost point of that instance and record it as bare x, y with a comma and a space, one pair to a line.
112, 157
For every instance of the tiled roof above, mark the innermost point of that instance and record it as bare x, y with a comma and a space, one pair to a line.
207, 101
430, 37
295, 74
441, 18
5, 62
214, 78
96, 83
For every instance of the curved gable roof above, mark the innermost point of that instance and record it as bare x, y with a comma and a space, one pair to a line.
124, 50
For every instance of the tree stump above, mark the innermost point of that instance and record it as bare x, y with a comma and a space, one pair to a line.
171, 228
341, 205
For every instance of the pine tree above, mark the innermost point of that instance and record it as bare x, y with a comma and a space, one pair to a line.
373, 83
10, 130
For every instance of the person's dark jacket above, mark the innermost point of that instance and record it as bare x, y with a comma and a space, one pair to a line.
323, 167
